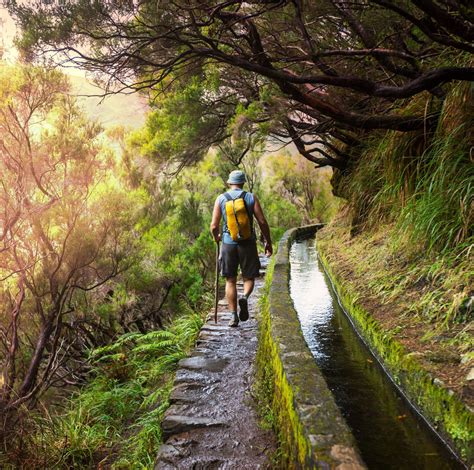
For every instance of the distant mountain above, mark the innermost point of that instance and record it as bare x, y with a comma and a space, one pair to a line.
121, 109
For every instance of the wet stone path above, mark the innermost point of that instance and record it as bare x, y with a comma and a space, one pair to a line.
212, 422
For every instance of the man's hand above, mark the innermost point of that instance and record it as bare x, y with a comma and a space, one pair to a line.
216, 218
268, 249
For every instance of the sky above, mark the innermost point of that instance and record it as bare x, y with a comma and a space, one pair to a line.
7, 34
108, 111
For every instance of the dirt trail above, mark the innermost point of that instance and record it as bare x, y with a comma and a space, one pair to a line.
212, 422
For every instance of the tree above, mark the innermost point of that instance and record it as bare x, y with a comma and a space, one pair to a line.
64, 229
323, 72
296, 180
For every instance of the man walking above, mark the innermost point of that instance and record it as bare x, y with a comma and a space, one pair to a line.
239, 245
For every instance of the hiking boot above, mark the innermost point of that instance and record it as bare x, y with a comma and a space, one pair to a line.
244, 309
235, 320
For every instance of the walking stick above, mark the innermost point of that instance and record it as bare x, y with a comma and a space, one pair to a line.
217, 282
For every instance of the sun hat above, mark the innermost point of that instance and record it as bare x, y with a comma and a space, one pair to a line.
236, 177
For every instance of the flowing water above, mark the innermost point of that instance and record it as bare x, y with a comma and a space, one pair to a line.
389, 433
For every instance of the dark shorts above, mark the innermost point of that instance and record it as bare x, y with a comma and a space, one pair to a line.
244, 254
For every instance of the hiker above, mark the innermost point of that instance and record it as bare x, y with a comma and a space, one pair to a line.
239, 245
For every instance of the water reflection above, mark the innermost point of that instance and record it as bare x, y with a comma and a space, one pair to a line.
388, 432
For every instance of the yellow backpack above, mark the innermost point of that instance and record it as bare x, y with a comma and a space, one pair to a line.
238, 218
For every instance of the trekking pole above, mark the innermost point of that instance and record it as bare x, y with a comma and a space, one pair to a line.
217, 283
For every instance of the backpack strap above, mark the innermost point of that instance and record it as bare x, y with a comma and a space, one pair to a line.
242, 195
230, 198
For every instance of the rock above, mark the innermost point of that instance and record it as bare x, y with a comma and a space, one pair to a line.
470, 376
442, 357
168, 452
189, 385
175, 449
207, 336
185, 393
214, 327
215, 332
161, 465
346, 457
177, 424
184, 375
214, 464
204, 363
204, 352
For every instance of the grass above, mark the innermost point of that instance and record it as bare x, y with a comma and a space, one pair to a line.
411, 203
114, 421
423, 180
419, 297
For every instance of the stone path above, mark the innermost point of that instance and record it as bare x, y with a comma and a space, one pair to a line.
212, 422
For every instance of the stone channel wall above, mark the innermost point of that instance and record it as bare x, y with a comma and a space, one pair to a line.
312, 431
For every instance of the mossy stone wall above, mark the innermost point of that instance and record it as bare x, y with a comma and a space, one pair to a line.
311, 429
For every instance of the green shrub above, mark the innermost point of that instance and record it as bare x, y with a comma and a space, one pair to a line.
115, 419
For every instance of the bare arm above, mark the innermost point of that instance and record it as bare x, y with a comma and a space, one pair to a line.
215, 222
263, 224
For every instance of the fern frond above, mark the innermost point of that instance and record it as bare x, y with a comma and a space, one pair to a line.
152, 348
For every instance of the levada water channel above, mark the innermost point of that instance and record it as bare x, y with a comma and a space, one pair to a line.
388, 431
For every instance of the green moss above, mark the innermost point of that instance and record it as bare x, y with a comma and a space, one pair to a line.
442, 408
275, 392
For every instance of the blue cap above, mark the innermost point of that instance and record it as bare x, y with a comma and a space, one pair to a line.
236, 177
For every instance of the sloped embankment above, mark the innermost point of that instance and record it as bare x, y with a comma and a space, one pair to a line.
391, 297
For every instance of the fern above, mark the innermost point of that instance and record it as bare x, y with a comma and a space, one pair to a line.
153, 348
115, 412
154, 335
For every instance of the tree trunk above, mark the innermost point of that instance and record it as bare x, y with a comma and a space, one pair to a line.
30, 378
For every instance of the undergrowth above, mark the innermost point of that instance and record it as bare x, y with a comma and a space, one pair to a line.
262, 388
411, 199
114, 422
405, 239
423, 180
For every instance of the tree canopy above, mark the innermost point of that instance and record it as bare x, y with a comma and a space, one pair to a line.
318, 73
59, 236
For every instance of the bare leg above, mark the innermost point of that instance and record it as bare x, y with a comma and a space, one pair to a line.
231, 293
248, 286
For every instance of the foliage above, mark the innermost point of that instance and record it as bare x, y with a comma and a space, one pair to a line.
115, 419
67, 228
305, 189
316, 73
425, 182
440, 210
126, 241
182, 136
